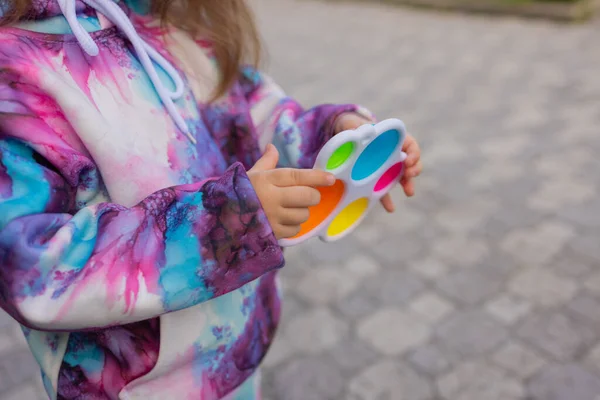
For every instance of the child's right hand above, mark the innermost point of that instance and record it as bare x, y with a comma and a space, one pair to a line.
286, 193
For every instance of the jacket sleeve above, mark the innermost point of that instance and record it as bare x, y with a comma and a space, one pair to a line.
298, 133
110, 265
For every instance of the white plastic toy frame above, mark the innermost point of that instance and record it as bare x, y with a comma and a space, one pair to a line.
355, 189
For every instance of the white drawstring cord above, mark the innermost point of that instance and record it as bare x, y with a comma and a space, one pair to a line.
145, 53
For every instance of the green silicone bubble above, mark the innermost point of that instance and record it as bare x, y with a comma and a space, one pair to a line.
340, 155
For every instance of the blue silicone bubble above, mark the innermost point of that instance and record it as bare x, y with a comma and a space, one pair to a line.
375, 154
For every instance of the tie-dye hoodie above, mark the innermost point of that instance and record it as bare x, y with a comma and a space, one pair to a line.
139, 263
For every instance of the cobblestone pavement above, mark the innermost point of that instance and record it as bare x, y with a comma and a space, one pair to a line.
486, 285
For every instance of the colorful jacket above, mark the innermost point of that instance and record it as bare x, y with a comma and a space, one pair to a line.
139, 261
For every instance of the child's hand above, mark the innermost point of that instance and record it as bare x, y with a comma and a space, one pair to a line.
412, 164
286, 193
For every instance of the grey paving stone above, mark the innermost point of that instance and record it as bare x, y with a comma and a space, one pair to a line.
593, 359
405, 220
561, 192
16, 370
513, 194
508, 308
468, 216
507, 146
537, 245
587, 245
353, 354
491, 172
315, 330
358, 304
509, 218
586, 307
10, 341
291, 306
312, 378
505, 388
431, 307
393, 287
396, 251
557, 334
389, 380
499, 262
24, 392
322, 286
430, 359
323, 252
362, 265
471, 333
299, 255
392, 332
369, 233
460, 250
543, 287
6, 321
593, 283
518, 359
472, 286
5, 382
280, 351
584, 214
564, 382
479, 380
429, 267
571, 266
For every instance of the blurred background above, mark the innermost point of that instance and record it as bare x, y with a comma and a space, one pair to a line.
486, 284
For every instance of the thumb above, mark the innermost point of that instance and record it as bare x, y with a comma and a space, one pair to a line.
268, 160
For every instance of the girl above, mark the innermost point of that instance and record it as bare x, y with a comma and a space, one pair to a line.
135, 250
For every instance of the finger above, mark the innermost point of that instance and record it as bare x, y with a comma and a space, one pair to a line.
299, 197
388, 203
414, 171
294, 216
285, 232
268, 160
409, 187
412, 150
285, 177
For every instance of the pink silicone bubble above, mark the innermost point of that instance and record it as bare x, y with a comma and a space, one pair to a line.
389, 177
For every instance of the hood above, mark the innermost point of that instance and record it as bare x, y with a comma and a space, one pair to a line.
111, 12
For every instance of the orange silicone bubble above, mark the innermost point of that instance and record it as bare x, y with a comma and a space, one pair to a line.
330, 198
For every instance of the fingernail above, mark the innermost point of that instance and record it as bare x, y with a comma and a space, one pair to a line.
330, 179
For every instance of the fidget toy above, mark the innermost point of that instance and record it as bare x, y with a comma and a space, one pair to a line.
366, 162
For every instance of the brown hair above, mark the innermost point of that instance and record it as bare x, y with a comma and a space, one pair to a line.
227, 24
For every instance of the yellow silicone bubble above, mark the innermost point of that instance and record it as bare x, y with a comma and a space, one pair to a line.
348, 216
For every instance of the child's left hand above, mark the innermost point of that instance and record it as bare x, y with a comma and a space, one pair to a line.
412, 164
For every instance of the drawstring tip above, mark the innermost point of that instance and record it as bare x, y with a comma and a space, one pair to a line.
92, 51
189, 136
180, 122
